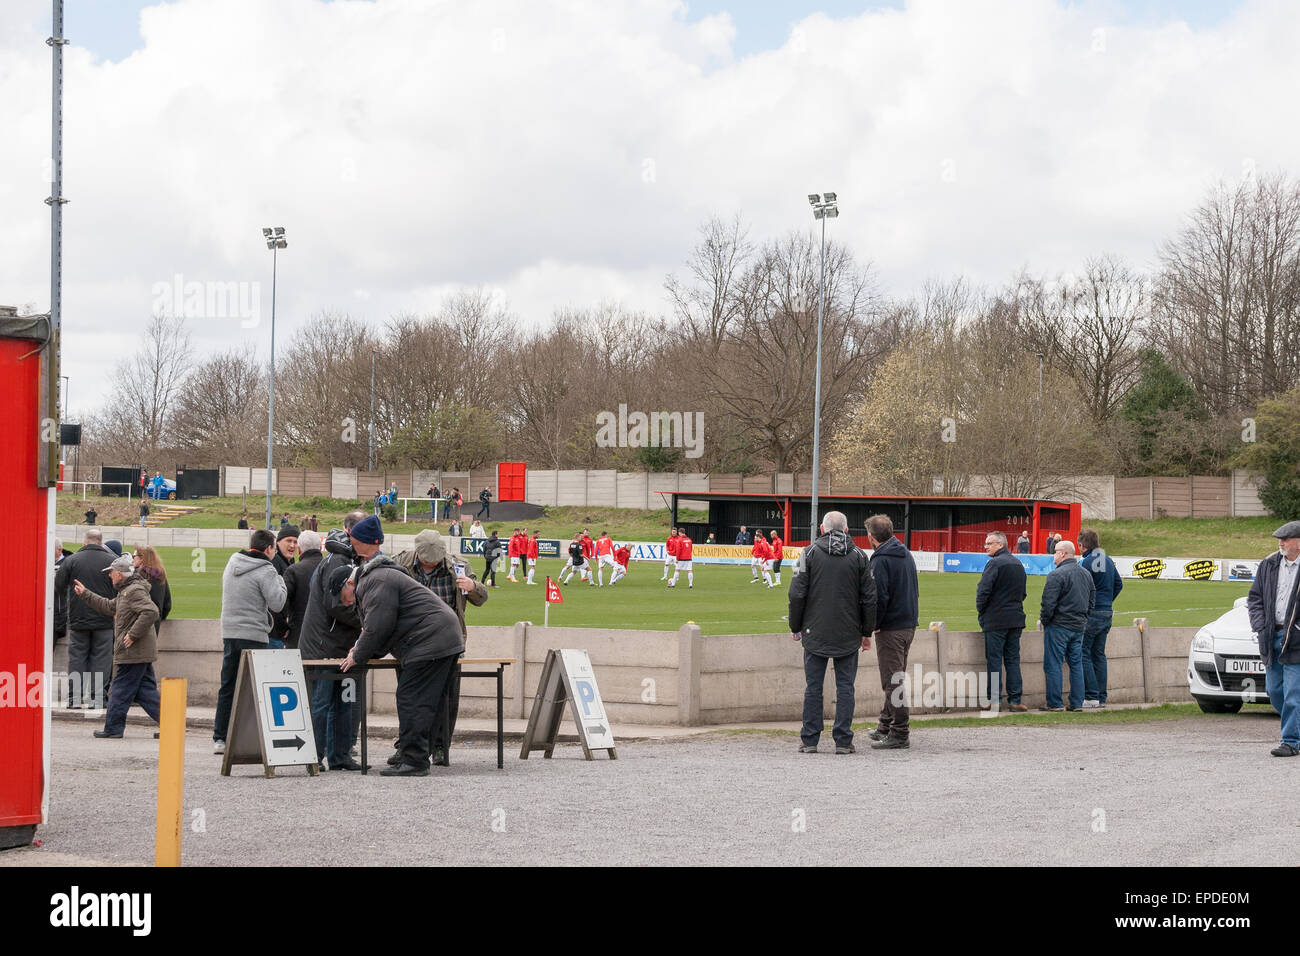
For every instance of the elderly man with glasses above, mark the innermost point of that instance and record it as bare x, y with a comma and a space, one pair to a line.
1000, 603
1069, 597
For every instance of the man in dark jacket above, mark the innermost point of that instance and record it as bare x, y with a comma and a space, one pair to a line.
491, 554
898, 598
485, 504
60, 595
1022, 543
1000, 603
743, 536
286, 548
328, 631
296, 579
404, 618
833, 612
1069, 596
1271, 602
1108, 584
90, 632
429, 564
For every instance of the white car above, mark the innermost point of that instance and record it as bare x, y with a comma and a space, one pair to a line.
1223, 666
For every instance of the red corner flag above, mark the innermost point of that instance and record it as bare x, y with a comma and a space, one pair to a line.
553, 595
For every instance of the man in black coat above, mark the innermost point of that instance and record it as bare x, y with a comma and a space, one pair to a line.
297, 577
833, 612
1271, 602
329, 629
404, 618
1069, 597
897, 611
286, 547
90, 633
1000, 603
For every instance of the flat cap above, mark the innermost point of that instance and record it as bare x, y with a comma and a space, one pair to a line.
1289, 530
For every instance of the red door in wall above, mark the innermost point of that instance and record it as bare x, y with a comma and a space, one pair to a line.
511, 480
25, 638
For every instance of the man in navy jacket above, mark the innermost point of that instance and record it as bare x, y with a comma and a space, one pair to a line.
1000, 603
1108, 584
897, 601
1272, 606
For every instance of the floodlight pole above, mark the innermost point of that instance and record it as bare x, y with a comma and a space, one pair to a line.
817, 395
370, 456
55, 201
270, 417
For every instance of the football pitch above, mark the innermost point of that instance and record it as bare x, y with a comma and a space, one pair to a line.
722, 601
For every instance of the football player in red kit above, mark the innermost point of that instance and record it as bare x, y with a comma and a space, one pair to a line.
778, 551
685, 548
622, 555
761, 560
670, 553
531, 548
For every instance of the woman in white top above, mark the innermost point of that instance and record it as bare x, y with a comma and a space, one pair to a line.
476, 530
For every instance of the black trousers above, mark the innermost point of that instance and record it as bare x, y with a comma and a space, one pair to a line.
446, 723
420, 690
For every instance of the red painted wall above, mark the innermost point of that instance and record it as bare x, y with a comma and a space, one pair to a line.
28, 554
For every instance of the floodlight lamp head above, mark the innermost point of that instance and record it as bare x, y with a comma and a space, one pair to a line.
814, 199
281, 243
266, 231
833, 211
830, 197
279, 230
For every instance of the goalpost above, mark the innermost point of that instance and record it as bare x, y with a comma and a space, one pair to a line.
85, 485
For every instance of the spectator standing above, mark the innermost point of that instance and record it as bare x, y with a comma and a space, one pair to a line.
485, 504
1022, 543
434, 495
329, 629
251, 590
286, 549
242, 524
897, 608
491, 554
1107, 584
91, 515
832, 610
476, 530
60, 594
144, 511
1000, 604
429, 564
1271, 603
135, 643
90, 631
297, 578
742, 536
1069, 596
711, 539
149, 566
454, 529
401, 616
377, 501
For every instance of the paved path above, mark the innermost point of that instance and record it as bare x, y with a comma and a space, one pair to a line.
1186, 792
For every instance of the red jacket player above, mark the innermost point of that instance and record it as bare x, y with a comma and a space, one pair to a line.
530, 549
778, 552
761, 560
670, 553
622, 555
683, 552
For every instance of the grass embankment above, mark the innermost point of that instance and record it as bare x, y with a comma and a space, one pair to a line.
1188, 537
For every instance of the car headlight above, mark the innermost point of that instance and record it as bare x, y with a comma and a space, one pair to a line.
1203, 641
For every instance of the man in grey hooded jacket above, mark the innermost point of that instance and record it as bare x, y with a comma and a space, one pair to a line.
251, 589
833, 612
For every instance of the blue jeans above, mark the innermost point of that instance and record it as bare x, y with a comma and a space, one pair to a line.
274, 644
1062, 645
1283, 684
1002, 649
1094, 654
331, 720
814, 669
231, 651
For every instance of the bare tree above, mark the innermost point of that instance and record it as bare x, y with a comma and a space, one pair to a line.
220, 411
149, 383
707, 304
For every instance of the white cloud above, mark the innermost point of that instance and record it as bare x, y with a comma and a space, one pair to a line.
566, 152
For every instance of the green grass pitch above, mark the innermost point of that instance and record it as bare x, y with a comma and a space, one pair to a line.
722, 601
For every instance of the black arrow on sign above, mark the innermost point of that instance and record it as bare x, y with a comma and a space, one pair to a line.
597, 729
295, 742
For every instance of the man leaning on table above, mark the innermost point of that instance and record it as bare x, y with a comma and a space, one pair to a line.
1272, 606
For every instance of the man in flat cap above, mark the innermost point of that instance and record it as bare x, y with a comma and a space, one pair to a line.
1272, 606
453, 581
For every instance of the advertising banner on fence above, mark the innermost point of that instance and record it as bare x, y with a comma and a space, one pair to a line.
965, 562
1170, 569
546, 547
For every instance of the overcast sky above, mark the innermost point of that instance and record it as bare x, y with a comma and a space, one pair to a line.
564, 153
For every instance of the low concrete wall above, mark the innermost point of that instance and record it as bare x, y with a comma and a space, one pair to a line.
682, 677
